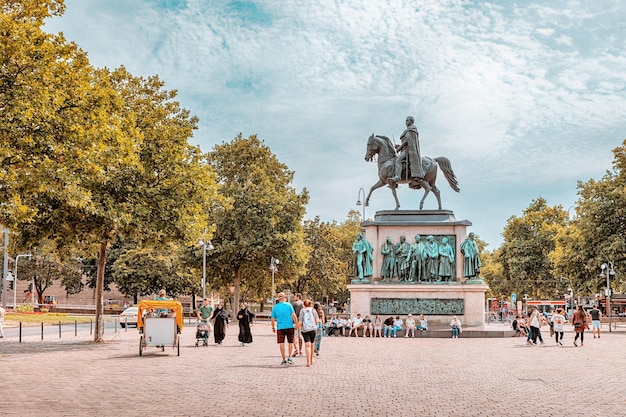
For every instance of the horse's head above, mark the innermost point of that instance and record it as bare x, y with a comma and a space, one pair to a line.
372, 148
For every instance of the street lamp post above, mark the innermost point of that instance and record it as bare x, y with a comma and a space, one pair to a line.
273, 267
358, 201
25, 255
205, 246
608, 269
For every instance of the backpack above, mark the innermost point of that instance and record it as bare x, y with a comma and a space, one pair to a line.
308, 322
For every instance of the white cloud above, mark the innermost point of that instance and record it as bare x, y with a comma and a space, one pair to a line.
525, 99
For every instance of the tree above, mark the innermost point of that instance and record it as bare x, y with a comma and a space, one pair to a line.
91, 155
528, 241
597, 235
330, 263
263, 220
144, 271
44, 270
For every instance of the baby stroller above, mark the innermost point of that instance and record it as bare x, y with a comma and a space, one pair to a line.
202, 333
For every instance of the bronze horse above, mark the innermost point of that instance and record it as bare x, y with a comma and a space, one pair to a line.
382, 146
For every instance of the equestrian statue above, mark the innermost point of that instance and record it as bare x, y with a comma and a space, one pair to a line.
393, 170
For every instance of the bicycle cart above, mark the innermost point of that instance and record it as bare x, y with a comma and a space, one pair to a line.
159, 323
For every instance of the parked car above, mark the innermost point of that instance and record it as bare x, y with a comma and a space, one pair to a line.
128, 316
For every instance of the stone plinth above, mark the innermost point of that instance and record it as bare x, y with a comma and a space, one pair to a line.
472, 296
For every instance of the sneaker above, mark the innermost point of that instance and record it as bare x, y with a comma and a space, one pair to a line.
560, 343
575, 344
289, 361
283, 363
529, 343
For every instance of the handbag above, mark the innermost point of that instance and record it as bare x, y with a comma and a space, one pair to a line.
578, 325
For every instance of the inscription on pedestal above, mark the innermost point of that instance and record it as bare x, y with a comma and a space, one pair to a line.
432, 306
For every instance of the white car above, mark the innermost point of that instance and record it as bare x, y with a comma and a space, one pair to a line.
128, 316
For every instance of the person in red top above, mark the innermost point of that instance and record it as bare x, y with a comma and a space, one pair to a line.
579, 320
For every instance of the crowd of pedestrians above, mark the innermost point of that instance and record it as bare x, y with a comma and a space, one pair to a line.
302, 325
530, 325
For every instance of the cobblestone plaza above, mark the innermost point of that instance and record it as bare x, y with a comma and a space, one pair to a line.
351, 377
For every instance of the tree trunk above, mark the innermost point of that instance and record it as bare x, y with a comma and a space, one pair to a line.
99, 289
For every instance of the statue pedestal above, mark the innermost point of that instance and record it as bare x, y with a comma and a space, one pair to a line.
395, 223
438, 301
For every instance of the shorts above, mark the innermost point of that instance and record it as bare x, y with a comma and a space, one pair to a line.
309, 337
595, 324
297, 334
282, 333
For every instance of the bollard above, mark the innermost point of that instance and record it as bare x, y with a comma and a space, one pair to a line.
90, 327
42, 331
20, 332
75, 327
59, 329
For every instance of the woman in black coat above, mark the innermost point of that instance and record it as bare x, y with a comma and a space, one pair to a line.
246, 318
220, 322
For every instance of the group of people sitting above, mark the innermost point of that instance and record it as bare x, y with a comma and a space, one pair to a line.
376, 327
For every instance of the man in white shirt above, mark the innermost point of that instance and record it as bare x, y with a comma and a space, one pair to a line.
357, 323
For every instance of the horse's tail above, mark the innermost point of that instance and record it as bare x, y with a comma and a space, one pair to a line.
446, 167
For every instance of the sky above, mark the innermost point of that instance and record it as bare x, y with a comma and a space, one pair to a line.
525, 98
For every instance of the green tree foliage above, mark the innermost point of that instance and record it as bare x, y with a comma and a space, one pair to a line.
330, 264
264, 220
89, 155
598, 234
528, 242
44, 270
144, 271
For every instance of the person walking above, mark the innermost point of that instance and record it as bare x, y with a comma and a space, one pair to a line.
535, 326
205, 310
284, 322
579, 320
596, 323
308, 320
297, 306
246, 321
220, 323
320, 328
558, 320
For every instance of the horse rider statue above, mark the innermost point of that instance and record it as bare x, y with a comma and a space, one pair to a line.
409, 150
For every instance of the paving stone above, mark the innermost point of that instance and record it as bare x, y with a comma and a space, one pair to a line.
351, 377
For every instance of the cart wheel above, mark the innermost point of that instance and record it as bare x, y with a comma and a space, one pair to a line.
178, 346
141, 346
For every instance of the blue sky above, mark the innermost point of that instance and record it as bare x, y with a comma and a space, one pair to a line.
524, 98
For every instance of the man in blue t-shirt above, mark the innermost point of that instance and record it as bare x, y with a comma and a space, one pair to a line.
284, 322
